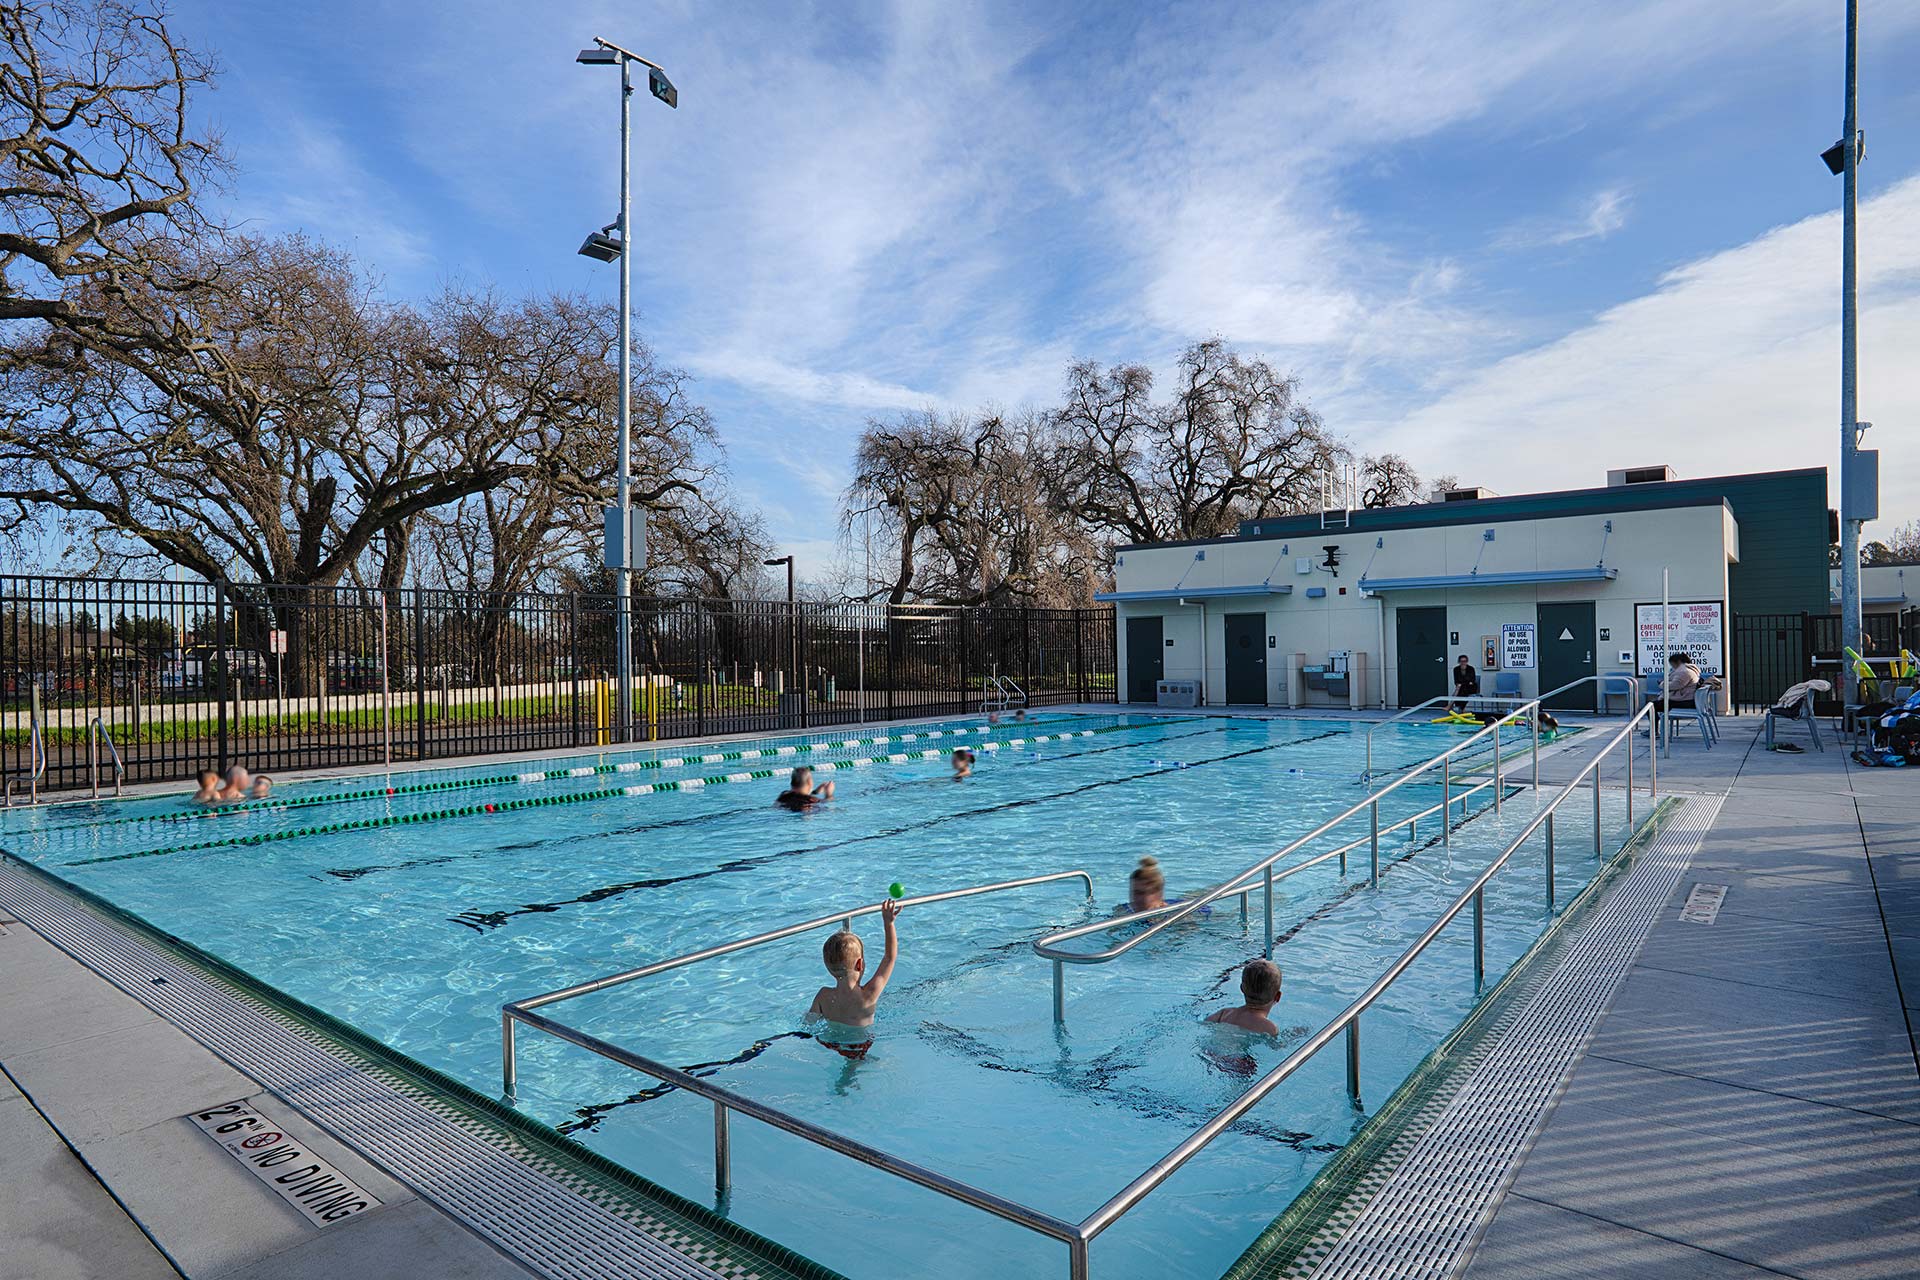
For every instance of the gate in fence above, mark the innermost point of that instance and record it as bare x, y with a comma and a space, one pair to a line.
185, 675
1774, 650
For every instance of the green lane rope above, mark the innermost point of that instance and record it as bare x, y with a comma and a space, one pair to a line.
582, 771
572, 797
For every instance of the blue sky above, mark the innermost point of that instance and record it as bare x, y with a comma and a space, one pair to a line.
1517, 242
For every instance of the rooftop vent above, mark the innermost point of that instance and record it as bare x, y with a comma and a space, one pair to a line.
1639, 475
1470, 494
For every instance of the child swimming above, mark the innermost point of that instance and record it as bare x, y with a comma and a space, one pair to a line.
848, 1004
1260, 986
963, 762
262, 787
209, 792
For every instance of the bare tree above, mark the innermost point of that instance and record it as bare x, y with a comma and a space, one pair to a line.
1388, 480
1900, 546
1234, 443
102, 166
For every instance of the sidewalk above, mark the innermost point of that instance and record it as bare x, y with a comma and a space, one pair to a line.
1750, 1106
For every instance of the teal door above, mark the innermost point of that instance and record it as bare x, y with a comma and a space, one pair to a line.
1146, 658
1567, 652
1422, 638
1247, 658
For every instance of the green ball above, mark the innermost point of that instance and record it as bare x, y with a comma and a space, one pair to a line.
895, 891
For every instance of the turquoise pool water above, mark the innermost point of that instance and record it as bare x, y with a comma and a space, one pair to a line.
417, 930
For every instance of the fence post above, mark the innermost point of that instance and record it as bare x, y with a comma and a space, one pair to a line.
573, 662
886, 618
1079, 659
701, 672
419, 675
220, 665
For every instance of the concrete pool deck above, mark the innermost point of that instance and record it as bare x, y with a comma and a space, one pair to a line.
1749, 1106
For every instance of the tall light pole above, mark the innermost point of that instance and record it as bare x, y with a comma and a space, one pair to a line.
793, 623
1843, 158
608, 249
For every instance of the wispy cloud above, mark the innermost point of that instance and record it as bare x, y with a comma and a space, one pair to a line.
1604, 213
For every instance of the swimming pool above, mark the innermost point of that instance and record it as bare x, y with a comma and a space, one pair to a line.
417, 929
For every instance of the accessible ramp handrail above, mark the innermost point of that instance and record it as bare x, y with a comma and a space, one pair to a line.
1348, 1020
726, 1101
38, 755
1628, 679
1049, 947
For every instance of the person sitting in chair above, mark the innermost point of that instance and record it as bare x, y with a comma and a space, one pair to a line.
1466, 683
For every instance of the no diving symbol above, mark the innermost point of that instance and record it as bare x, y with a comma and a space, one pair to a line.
260, 1140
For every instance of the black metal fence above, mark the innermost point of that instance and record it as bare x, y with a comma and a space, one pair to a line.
182, 675
1774, 650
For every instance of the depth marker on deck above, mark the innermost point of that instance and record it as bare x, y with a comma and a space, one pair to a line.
1703, 903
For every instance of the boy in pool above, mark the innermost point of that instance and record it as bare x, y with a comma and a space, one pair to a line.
1260, 985
801, 793
262, 787
209, 792
963, 762
849, 1003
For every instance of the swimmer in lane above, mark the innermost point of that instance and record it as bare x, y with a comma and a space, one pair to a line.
1146, 888
846, 1008
262, 787
1260, 990
209, 791
235, 787
801, 793
963, 762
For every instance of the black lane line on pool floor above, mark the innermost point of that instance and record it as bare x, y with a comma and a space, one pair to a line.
1102, 1076
757, 805
481, 921
589, 796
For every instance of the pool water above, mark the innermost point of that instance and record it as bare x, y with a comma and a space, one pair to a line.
418, 929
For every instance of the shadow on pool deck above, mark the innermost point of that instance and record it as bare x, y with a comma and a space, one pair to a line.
1750, 1104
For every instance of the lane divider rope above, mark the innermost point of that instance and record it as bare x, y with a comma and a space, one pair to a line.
582, 771
572, 797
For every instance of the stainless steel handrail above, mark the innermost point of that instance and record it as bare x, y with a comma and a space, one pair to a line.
38, 756
1076, 1236
726, 1102
1005, 687
1349, 1019
1632, 683
96, 732
1048, 947
515, 1009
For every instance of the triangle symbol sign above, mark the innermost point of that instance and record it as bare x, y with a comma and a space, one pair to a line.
1566, 633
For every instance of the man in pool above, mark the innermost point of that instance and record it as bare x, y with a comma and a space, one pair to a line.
236, 787
1260, 986
262, 787
801, 793
847, 1006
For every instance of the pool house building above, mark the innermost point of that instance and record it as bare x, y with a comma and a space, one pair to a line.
1363, 608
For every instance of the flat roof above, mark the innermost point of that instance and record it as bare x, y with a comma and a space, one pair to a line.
1654, 495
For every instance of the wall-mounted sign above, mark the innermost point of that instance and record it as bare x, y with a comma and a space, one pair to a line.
1517, 646
1697, 628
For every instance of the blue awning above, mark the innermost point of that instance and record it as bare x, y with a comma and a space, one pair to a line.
1591, 573
1196, 593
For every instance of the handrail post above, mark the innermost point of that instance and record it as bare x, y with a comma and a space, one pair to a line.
1653, 764
1244, 918
1269, 950
1059, 991
509, 1068
1629, 784
1353, 1060
1596, 808
1076, 1260
1446, 802
1373, 879
1479, 940
722, 1150
1496, 766
1536, 746
1550, 895
93, 755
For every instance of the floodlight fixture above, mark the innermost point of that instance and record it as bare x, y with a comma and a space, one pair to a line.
1836, 155
597, 57
601, 247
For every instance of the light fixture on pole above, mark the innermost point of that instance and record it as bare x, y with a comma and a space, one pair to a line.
793, 622
1859, 478
612, 248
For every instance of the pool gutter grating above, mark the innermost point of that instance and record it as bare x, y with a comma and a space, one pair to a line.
558, 1230
1422, 1219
